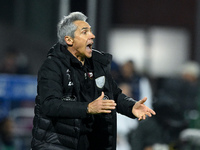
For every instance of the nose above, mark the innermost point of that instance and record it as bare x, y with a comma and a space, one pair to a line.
92, 35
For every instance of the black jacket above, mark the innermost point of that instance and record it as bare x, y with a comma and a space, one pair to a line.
59, 109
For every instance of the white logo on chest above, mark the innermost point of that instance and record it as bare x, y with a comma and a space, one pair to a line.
100, 81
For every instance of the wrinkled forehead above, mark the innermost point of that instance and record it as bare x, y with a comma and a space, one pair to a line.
82, 25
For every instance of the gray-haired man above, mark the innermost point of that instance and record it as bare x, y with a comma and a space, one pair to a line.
77, 98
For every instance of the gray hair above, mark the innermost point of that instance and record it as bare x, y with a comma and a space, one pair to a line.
66, 26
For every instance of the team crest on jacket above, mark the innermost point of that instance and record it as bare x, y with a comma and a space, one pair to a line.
100, 81
90, 74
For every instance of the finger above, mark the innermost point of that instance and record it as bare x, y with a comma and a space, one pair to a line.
102, 95
143, 100
108, 107
142, 117
109, 102
105, 111
152, 112
149, 114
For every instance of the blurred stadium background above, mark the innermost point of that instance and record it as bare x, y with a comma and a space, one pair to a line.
159, 36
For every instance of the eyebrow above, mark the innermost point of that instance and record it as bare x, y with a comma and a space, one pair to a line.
86, 28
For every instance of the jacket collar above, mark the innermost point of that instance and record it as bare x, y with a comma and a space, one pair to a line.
60, 52
101, 57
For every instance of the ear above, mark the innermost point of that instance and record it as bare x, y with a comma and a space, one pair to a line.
69, 40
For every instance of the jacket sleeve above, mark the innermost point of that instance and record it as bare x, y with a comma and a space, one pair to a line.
124, 103
50, 91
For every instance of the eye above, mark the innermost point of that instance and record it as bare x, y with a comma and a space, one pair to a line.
84, 31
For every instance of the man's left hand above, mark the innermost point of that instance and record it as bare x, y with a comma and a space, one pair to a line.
141, 111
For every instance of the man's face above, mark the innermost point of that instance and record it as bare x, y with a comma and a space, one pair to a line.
83, 40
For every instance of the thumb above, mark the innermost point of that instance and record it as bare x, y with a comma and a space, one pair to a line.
102, 95
143, 100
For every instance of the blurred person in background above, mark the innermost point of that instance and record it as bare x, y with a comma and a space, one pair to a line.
140, 84
77, 98
6, 133
14, 62
134, 85
183, 88
124, 124
161, 132
115, 71
190, 77
6, 127
176, 104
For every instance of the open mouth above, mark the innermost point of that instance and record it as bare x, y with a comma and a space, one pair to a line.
89, 46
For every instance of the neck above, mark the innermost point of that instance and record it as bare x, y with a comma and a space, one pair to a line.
75, 53
81, 60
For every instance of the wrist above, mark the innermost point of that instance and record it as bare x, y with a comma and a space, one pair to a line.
88, 109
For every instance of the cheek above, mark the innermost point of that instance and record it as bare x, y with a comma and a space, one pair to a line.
79, 42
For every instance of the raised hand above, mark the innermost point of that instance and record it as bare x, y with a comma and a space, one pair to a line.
140, 110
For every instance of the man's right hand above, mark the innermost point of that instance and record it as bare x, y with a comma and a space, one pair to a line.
101, 106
